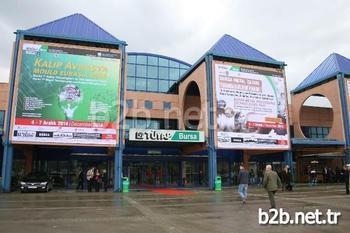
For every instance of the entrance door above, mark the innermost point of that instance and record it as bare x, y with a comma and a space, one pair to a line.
143, 174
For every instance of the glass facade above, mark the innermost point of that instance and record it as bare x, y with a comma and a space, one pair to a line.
315, 132
152, 73
2, 121
142, 123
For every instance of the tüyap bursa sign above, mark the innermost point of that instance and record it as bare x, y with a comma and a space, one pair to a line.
166, 135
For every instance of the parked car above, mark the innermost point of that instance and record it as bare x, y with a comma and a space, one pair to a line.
35, 182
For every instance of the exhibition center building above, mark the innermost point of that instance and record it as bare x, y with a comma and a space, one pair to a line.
77, 98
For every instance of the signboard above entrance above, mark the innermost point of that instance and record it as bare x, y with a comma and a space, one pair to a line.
166, 135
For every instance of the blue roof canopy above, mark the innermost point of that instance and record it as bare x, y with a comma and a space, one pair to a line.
74, 27
232, 48
328, 69
228, 46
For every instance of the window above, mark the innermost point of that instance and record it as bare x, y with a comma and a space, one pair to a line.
152, 72
129, 123
130, 103
174, 64
148, 104
163, 85
152, 61
182, 71
169, 124
167, 105
142, 59
141, 123
152, 85
2, 120
163, 62
130, 83
315, 132
141, 84
174, 74
141, 71
171, 83
131, 70
163, 73
153, 124
131, 59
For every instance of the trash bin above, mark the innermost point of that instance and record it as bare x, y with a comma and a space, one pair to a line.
125, 184
218, 183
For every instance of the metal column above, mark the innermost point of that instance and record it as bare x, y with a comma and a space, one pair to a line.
210, 110
8, 149
345, 114
118, 156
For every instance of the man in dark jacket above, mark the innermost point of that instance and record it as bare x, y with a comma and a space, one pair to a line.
286, 179
271, 183
81, 180
347, 177
243, 178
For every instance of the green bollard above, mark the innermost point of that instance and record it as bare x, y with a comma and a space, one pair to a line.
218, 183
126, 184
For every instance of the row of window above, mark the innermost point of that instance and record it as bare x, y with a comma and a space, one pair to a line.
2, 120
156, 72
142, 123
151, 73
315, 132
149, 85
155, 61
148, 104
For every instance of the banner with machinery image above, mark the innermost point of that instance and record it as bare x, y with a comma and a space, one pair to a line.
66, 95
251, 108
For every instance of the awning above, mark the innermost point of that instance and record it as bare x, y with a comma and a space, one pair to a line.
323, 155
316, 142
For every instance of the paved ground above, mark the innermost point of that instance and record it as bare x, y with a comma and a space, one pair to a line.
202, 211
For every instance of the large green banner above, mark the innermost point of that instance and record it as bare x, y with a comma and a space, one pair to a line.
67, 95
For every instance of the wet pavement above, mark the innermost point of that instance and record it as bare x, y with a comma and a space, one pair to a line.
201, 211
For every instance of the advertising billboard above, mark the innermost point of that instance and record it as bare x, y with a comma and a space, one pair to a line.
66, 95
251, 108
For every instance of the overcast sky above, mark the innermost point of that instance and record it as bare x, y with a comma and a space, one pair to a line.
301, 33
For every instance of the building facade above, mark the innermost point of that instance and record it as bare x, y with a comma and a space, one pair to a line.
171, 123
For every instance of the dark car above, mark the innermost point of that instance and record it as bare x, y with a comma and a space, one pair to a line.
35, 182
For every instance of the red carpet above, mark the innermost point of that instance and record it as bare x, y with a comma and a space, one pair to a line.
166, 191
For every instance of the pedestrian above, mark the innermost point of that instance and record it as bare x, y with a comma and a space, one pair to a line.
325, 174
260, 177
337, 174
97, 180
271, 183
105, 179
347, 177
243, 180
90, 178
313, 177
80, 180
251, 176
286, 179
